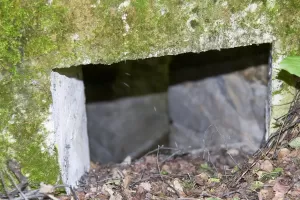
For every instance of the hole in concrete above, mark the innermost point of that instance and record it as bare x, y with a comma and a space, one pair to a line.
186, 101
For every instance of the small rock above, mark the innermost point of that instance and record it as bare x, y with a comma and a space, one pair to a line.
233, 152
126, 161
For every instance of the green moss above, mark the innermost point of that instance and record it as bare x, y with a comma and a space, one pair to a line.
26, 29
286, 17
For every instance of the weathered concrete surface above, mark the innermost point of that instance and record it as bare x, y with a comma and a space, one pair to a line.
215, 111
38, 36
128, 126
70, 123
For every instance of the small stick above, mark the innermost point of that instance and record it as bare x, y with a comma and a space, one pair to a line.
13, 182
34, 196
160, 148
174, 154
71, 188
108, 179
230, 193
234, 160
4, 186
157, 163
159, 171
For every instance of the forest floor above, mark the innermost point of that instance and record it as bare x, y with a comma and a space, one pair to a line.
272, 173
229, 172
269, 174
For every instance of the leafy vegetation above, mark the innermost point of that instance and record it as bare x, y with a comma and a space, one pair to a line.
291, 64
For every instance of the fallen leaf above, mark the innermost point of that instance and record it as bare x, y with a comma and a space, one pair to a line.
278, 196
266, 165
46, 189
126, 181
93, 189
113, 195
93, 165
146, 186
256, 185
178, 187
295, 143
282, 185
282, 153
52, 197
201, 179
265, 194
166, 168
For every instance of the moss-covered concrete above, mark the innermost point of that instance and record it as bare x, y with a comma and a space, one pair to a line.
36, 36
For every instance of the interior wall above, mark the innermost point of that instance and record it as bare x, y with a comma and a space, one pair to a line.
219, 97
126, 108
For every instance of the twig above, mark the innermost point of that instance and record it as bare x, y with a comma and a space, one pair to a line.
13, 182
236, 164
4, 186
14, 167
153, 176
159, 171
52, 197
170, 186
209, 160
285, 120
230, 193
157, 163
270, 141
160, 148
108, 179
246, 171
172, 155
71, 188
34, 196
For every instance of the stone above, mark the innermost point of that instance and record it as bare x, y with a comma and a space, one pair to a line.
126, 127
217, 110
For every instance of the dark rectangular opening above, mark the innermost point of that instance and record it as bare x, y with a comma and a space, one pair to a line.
192, 100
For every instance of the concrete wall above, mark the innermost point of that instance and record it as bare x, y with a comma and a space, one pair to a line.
70, 123
61, 34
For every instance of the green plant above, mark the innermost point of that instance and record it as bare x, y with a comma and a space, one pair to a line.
291, 64
271, 175
257, 185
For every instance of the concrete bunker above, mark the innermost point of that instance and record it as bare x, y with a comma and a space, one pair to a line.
127, 108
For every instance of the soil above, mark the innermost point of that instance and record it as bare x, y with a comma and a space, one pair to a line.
193, 176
